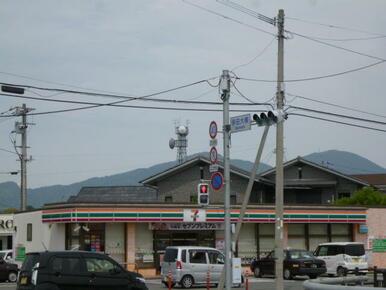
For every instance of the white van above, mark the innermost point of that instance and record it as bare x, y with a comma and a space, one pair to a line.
342, 256
189, 266
7, 255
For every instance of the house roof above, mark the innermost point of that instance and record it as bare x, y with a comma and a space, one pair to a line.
375, 179
196, 160
318, 166
115, 194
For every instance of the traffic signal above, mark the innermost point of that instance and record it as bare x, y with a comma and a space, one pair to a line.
203, 194
270, 117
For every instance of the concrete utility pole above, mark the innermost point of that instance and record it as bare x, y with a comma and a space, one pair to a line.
21, 128
279, 247
225, 93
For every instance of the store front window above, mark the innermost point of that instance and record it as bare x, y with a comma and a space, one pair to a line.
85, 237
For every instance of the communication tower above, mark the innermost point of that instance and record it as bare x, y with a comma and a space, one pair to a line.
181, 143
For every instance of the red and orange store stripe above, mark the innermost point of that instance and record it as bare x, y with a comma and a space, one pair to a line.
177, 215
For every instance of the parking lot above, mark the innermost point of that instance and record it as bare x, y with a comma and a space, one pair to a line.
254, 284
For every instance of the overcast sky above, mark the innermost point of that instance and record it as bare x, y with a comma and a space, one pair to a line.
139, 47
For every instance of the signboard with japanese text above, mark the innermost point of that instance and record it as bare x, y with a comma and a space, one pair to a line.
187, 226
241, 123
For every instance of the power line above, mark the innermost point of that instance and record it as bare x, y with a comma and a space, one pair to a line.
338, 122
335, 26
8, 151
245, 10
246, 98
94, 105
227, 17
257, 56
126, 98
349, 39
338, 115
51, 82
316, 77
335, 105
129, 99
336, 46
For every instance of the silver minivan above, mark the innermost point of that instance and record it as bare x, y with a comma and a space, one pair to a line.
342, 256
190, 266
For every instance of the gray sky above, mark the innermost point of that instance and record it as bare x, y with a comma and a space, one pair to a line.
140, 47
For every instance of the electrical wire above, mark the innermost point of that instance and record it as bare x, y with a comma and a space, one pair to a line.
94, 105
227, 17
348, 39
338, 122
334, 26
115, 104
334, 105
316, 77
51, 82
338, 115
254, 58
5, 150
126, 98
248, 11
336, 46
249, 100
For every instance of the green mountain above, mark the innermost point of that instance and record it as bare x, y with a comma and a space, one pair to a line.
345, 162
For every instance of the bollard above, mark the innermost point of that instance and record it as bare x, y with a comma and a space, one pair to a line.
208, 280
384, 278
170, 280
375, 276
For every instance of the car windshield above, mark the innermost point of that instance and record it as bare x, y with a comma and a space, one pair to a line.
300, 255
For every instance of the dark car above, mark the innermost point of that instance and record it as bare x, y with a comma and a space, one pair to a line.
8, 271
296, 262
76, 270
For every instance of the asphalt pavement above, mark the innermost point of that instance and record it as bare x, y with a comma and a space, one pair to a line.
254, 284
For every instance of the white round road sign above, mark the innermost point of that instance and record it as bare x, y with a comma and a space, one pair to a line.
213, 129
213, 155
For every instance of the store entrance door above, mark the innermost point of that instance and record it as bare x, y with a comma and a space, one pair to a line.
163, 239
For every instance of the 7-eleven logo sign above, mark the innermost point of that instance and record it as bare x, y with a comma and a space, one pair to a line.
194, 215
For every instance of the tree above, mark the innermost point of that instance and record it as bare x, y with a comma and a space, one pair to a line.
365, 196
9, 210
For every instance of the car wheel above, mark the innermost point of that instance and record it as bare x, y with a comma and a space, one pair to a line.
313, 276
187, 281
12, 277
257, 272
287, 274
340, 272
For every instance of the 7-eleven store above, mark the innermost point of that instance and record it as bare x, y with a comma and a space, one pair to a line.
138, 236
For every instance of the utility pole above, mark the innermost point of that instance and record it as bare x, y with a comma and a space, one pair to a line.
279, 247
225, 94
21, 128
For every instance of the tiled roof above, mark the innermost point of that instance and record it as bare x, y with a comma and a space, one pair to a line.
375, 179
115, 194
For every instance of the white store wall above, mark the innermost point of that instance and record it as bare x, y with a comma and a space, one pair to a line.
50, 236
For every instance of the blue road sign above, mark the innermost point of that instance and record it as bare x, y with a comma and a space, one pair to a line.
217, 181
